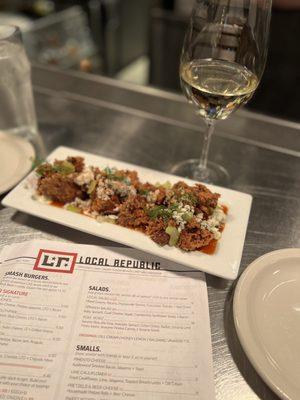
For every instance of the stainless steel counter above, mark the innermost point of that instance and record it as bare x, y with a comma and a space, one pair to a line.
157, 129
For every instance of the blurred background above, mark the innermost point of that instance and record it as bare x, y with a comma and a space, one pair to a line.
140, 41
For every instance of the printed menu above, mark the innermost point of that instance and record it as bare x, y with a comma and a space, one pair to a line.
81, 322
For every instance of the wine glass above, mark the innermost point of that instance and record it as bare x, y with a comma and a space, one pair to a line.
222, 62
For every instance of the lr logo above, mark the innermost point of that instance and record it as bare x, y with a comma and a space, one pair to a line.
55, 261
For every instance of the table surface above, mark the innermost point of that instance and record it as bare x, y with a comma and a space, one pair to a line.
157, 129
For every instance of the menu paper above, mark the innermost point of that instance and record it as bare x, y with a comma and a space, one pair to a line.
82, 322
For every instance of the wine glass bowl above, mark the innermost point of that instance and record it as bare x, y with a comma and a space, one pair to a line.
222, 62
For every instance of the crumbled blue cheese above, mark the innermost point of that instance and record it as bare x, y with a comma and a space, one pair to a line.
85, 177
169, 194
214, 222
199, 217
179, 213
122, 188
152, 196
107, 218
103, 192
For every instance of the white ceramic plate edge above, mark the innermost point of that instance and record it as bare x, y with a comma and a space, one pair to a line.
238, 311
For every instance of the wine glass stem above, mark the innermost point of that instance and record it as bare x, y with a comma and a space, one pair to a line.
206, 143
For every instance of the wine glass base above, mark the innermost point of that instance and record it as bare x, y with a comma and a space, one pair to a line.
214, 173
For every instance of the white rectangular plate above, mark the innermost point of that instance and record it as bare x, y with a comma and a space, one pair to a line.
224, 262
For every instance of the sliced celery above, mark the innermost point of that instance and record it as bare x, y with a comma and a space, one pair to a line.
187, 216
64, 167
71, 207
174, 234
92, 187
106, 219
165, 185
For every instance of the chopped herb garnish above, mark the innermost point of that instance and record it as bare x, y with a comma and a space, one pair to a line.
189, 198
144, 192
157, 211
36, 162
109, 171
127, 181
112, 175
162, 211
173, 207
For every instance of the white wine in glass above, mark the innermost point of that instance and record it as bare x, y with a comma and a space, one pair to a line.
222, 62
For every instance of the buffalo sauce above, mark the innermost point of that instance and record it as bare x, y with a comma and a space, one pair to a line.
225, 209
56, 204
211, 247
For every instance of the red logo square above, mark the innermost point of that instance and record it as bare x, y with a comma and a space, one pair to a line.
55, 261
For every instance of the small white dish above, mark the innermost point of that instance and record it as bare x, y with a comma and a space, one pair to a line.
16, 155
224, 262
267, 318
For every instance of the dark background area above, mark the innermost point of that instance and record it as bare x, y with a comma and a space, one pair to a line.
106, 36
